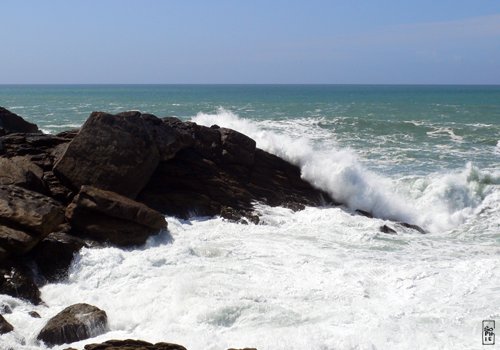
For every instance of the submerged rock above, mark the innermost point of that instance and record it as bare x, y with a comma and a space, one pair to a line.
74, 323
11, 122
110, 217
130, 344
5, 327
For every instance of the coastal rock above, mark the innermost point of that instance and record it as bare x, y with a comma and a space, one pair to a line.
16, 281
74, 323
413, 227
54, 254
34, 314
110, 217
223, 172
5, 327
11, 122
117, 153
26, 217
130, 344
22, 172
387, 229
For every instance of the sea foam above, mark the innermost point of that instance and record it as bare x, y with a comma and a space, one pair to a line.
438, 202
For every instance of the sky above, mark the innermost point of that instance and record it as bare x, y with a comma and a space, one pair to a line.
250, 41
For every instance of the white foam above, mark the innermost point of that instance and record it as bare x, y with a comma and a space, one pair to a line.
340, 173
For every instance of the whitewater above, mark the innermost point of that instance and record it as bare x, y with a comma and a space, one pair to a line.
321, 278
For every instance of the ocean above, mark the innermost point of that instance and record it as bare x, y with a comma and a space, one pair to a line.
321, 278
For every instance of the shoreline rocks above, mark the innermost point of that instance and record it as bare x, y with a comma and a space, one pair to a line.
74, 323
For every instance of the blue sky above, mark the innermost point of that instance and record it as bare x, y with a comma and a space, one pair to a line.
252, 41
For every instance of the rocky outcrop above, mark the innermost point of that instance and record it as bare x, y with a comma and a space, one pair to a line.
130, 344
26, 218
22, 172
223, 172
5, 327
16, 280
74, 323
109, 217
116, 152
54, 254
11, 122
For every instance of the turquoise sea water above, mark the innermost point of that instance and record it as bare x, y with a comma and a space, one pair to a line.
321, 278
431, 127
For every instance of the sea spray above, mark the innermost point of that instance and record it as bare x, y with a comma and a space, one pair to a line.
444, 201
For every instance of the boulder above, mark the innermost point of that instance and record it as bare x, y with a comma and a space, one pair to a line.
54, 254
17, 281
130, 344
22, 172
74, 323
116, 152
11, 122
5, 327
26, 217
110, 217
223, 173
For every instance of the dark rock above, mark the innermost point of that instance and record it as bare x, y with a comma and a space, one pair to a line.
110, 217
22, 172
16, 280
74, 323
11, 122
56, 190
130, 344
237, 148
26, 218
54, 254
222, 173
5, 327
364, 213
387, 229
34, 314
37, 146
413, 227
118, 153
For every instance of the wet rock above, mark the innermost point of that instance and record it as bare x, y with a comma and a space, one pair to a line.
118, 152
54, 254
364, 213
16, 280
11, 122
110, 217
74, 323
413, 227
34, 314
26, 217
130, 344
387, 229
222, 173
5, 327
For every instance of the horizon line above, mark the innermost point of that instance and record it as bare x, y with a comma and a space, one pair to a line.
243, 84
